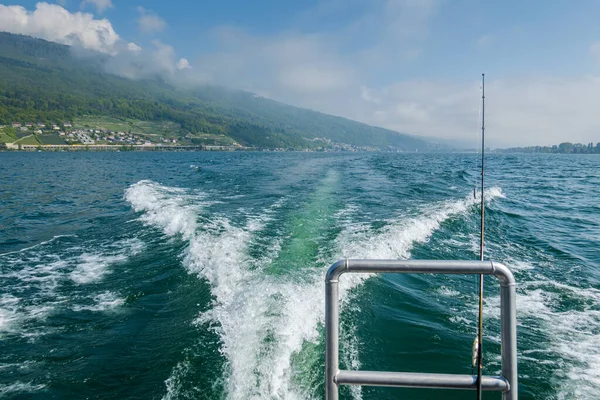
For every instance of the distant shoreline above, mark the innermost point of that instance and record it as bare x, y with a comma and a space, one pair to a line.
12, 148
100, 147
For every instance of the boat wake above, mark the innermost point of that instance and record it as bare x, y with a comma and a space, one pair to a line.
266, 320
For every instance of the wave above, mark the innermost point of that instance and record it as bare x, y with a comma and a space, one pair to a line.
8, 312
570, 334
104, 301
558, 330
91, 267
20, 388
396, 239
249, 306
39, 280
264, 319
53, 239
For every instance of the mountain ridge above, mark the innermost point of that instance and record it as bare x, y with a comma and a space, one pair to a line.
47, 82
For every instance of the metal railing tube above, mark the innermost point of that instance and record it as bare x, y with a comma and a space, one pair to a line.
332, 318
420, 380
508, 321
415, 267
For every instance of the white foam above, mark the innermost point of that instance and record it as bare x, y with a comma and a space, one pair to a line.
570, 335
21, 367
20, 387
350, 354
448, 292
39, 276
458, 320
91, 267
573, 334
493, 193
105, 301
42, 275
174, 382
521, 266
8, 312
171, 209
264, 319
250, 305
396, 239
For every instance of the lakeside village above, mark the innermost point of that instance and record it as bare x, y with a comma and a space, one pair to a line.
65, 137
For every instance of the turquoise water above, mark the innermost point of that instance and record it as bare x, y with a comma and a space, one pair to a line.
200, 275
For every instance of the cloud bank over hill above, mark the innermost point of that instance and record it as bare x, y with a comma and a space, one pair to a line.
84, 31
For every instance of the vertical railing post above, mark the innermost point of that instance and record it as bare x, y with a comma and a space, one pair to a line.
508, 317
331, 338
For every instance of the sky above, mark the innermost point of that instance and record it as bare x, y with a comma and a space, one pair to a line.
413, 66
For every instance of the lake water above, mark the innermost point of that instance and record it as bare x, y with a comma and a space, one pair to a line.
200, 275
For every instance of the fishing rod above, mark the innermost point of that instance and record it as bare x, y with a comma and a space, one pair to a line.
479, 338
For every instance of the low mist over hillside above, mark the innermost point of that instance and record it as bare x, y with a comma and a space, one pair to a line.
41, 81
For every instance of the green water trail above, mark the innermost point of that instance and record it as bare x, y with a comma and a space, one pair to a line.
308, 227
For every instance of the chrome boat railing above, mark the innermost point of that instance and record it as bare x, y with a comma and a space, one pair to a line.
507, 383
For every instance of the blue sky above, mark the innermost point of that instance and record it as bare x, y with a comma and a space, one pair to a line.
409, 65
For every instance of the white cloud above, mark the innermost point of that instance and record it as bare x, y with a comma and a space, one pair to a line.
294, 64
313, 78
101, 5
164, 56
160, 60
366, 95
315, 70
150, 22
412, 111
287, 66
133, 47
518, 111
183, 64
53, 22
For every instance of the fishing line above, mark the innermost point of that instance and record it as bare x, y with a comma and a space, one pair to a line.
478, 346
477, 141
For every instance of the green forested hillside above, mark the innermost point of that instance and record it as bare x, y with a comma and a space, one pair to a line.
42, 81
